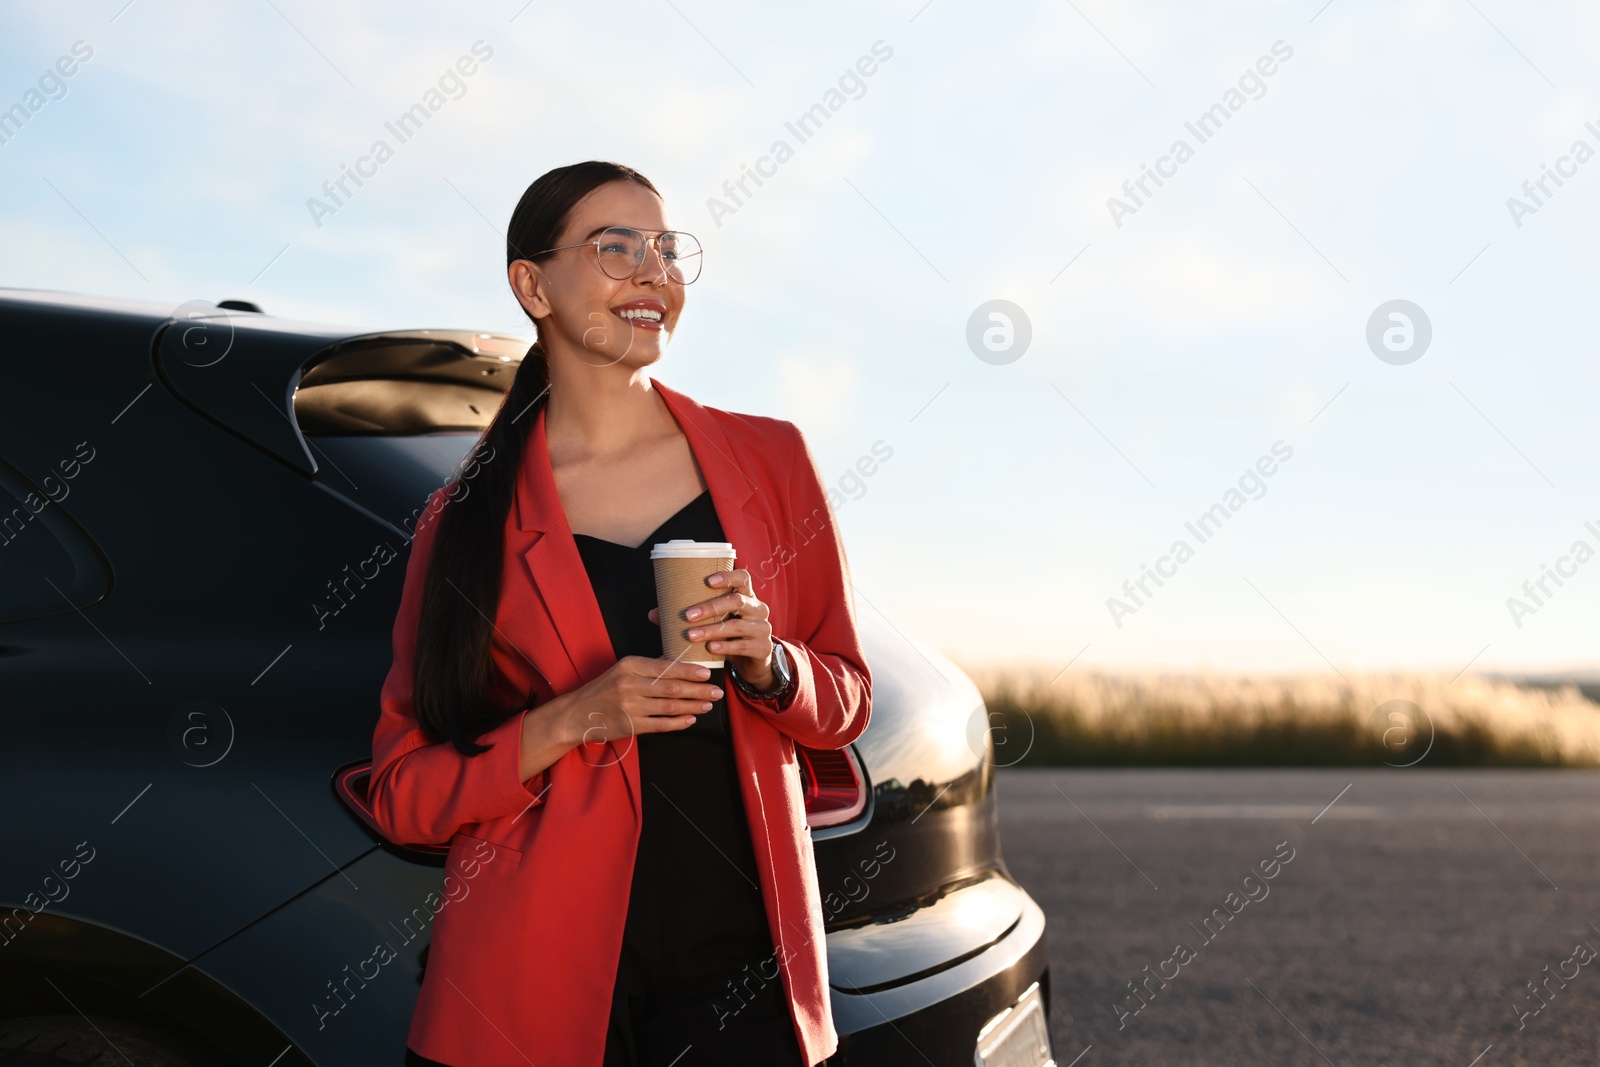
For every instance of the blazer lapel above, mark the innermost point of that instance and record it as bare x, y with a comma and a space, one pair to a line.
574, 647
740, 508
567, 642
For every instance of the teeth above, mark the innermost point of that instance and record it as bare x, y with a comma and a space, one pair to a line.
640, 313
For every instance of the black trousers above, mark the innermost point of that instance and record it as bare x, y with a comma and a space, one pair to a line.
670, 1030
661, 1019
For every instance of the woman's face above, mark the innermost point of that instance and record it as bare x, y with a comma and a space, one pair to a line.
579, 308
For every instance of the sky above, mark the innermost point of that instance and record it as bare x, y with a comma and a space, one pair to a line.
1344, 318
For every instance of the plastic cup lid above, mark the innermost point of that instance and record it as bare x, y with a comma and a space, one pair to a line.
684, 548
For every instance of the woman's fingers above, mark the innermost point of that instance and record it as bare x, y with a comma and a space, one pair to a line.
658, 667
736, 627
645, 694
738, 596
738, 580
660, 724
673, 686
682, 697
753, 647
740, 604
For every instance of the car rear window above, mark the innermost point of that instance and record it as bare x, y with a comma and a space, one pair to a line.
390, 418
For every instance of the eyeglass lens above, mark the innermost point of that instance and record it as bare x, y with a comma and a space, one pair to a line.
622, 252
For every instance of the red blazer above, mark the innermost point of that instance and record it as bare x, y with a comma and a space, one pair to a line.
524, 950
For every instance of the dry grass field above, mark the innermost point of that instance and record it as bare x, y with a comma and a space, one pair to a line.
1103, 719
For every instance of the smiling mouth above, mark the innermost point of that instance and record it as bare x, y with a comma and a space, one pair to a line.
644, 318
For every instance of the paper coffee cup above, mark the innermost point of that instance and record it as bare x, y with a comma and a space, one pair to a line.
682, 567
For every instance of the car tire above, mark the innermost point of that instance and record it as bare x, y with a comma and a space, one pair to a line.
52, 1040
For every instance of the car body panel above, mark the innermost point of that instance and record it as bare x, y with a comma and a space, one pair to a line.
314, 968
212, 610
937, 936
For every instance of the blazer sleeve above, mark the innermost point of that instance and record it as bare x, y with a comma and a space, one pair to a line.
423, 791
831, 702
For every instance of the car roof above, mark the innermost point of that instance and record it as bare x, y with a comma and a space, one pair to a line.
85, 301
156, 312
497, 342
268, 356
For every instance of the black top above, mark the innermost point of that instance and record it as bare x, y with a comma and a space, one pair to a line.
696, 943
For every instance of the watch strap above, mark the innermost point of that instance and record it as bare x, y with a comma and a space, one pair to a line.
782, 667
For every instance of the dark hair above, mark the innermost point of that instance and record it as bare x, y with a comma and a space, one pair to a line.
451, 686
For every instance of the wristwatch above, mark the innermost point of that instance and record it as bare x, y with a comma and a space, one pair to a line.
783, 673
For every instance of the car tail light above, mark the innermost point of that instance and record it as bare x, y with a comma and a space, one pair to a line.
833, 784
351, 784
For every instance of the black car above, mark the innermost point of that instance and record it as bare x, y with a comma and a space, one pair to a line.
204, 520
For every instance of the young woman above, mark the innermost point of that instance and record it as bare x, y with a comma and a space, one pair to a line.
630, 878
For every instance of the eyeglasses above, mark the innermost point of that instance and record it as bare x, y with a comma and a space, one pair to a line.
622, 250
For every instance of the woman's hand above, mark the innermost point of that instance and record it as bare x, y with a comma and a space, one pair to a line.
640, 695
745, 639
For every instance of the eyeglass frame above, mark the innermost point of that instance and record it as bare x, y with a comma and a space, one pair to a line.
650, 237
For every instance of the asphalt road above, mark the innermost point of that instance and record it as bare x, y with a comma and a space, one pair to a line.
1403, 930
